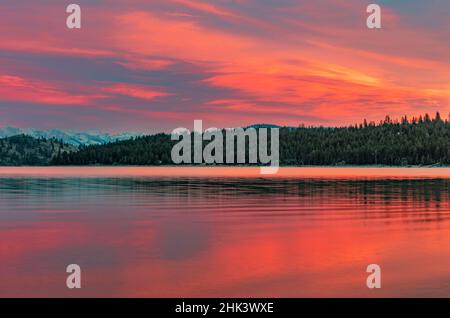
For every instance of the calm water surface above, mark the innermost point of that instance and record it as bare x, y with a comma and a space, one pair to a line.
225, 232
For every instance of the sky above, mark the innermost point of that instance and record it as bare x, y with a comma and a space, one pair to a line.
155, 65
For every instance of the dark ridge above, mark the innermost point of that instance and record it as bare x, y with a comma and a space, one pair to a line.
420, 141
23, 150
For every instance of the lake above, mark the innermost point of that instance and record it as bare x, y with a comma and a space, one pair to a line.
224, 232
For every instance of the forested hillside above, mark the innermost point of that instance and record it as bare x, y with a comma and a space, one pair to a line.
25, 150
419, 141
147, 150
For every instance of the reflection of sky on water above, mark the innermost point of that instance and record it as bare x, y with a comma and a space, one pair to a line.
224, 236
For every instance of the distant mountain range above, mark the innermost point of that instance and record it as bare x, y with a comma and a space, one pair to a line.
83, 138
35, 147
71, 138
420, 142
257, 126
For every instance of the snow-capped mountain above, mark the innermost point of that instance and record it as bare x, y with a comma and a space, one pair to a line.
72, 138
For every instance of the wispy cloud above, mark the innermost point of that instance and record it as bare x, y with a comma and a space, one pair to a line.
289, 61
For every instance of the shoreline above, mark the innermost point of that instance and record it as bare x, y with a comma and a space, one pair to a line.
324, 172
230, 166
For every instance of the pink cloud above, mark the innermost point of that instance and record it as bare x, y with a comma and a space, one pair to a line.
137, 91
286, 59
142, 63
16, 88
204, 7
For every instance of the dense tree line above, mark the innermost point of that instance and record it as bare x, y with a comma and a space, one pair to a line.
26, 150
419, 141
147, 150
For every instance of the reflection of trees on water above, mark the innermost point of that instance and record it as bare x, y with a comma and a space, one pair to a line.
426, 199
424, 190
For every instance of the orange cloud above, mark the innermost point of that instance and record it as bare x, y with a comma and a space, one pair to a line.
290, 59
267, 70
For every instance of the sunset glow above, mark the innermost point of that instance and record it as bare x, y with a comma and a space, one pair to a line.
152, 66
